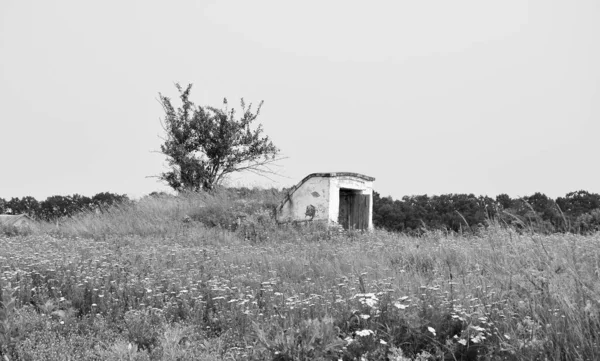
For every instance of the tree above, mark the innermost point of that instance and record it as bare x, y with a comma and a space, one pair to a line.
28, 205
57, 206
577, 203
205, 144
504, 201
107, 199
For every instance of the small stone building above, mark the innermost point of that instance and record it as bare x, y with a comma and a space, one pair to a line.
335, 198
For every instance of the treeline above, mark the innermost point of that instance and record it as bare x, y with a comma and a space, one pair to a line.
576, 212
60, 206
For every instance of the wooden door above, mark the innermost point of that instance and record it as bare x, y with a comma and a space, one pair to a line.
360, 211
354, 210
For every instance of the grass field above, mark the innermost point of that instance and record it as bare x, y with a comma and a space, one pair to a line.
166, 279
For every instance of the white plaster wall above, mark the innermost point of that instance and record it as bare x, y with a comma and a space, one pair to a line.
353, 183
315, 191
334, 200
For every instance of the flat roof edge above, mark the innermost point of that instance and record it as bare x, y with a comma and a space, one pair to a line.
340, 174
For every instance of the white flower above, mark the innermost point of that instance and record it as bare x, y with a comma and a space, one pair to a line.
432, 330
364, 333
370, 299
382, 342
365, 317
477, 339
462, 342
371, 302
400, 306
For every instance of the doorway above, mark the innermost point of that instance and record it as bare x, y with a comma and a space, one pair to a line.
354, 209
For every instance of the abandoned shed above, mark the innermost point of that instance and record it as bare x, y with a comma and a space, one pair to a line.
335, 198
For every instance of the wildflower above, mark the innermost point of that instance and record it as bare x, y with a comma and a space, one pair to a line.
364, 333
400, 306
477, 328
462, 341
432, 330
477, 339
382, 342
367, 298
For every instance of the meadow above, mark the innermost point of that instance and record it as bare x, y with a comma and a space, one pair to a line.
199, 277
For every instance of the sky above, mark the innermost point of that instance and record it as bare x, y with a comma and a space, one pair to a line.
429, 97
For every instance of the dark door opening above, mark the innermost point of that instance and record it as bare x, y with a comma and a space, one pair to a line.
354, 209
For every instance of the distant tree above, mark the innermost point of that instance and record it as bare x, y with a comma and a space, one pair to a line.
504, 201
57, 206
30, 206
13, 206
488, 206
3, 206
205, 144
459, 212
469, 208
107, 199
546, 209
588, 222
418, 210
158, 194
27, 205
387, 214
577, 203
81, 203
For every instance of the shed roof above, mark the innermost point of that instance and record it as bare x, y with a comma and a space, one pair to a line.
339, 174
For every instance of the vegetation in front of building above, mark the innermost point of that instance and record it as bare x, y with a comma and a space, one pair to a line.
576, 212
213, 277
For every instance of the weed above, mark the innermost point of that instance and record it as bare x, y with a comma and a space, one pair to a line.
140, 283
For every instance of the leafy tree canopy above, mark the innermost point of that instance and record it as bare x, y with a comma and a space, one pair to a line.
205, 144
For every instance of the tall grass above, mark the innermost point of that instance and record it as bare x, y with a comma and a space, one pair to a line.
167, 214
176, 279
148, 216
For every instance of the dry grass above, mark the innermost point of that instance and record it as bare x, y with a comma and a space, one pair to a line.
139, 283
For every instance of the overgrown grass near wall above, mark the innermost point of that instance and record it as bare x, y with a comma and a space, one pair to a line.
165, 215
146, 283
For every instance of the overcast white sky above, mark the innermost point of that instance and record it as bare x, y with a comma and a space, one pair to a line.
427, 96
